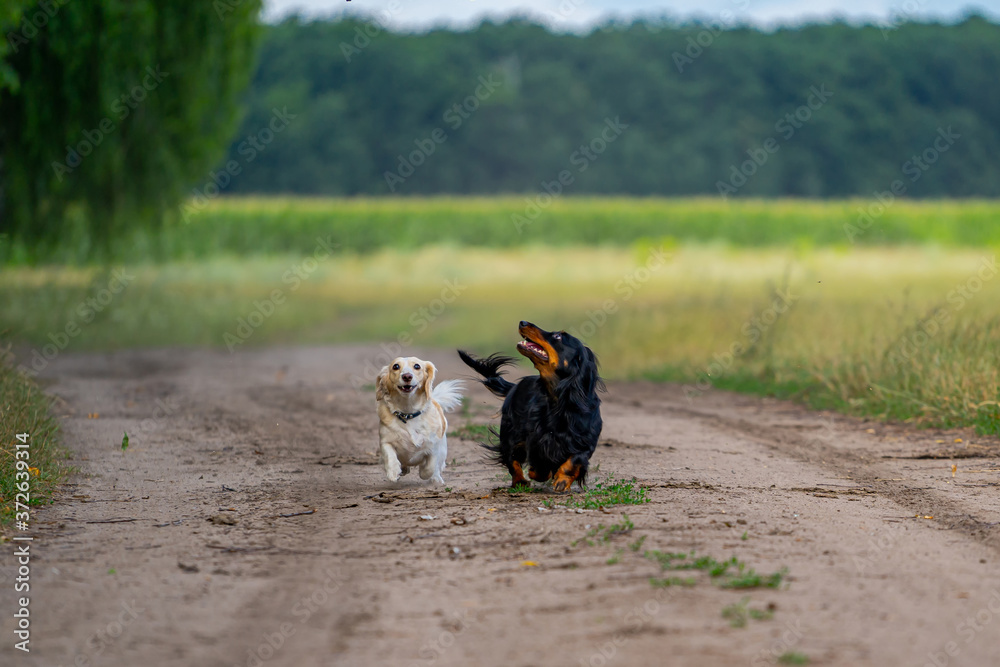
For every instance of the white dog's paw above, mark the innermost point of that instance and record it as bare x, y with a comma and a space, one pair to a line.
393, 470
437, 479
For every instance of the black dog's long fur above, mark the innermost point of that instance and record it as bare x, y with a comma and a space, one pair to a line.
550, 419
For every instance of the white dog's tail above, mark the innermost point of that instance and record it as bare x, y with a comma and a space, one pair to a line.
448, 394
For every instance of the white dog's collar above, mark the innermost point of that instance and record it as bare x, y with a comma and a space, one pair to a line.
406, 416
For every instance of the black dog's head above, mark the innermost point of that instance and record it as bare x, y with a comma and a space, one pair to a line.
561, 359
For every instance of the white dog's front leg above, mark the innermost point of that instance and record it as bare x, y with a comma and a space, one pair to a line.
431, 469
434, 463
391, 463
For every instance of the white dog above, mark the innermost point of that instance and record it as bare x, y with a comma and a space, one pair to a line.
412, 424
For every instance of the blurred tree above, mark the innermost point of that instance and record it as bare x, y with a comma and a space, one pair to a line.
111, 109
11, 28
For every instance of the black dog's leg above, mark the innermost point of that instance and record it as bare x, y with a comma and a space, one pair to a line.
516, 466
568, 472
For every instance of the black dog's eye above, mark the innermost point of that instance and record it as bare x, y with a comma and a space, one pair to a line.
416, 367
557, 336
395, 367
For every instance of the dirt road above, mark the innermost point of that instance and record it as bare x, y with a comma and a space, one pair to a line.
248, 525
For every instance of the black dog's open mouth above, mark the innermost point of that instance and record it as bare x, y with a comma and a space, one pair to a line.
533, 349
407, 388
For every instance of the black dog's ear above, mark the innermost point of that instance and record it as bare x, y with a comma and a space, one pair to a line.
592, 379
585, 379
598, 380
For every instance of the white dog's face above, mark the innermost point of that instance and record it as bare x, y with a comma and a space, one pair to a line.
405, 376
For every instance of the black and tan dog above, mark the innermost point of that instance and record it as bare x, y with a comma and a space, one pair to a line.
549, 423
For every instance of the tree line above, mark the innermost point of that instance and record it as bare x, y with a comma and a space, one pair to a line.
828, 110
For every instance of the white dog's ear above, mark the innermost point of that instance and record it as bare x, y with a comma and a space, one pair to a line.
381, 384
428, 387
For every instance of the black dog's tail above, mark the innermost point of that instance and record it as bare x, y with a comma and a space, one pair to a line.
489, 368
494, 452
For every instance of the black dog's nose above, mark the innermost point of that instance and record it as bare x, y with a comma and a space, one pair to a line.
525, 323
406, 377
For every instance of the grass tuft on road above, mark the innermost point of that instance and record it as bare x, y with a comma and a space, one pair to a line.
739, 613
731, 573
607, 492
25, 409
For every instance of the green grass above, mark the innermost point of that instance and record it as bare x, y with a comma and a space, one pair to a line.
683, 561
739, 613
950, 382
474, 432
750, 579
603, 534
266, 226
731, 573
520, 490
708, 564
24, 409
667, 582
793, 658
607, 492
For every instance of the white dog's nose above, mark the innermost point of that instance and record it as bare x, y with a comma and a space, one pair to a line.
407, 377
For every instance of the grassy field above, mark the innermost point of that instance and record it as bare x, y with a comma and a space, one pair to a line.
266, 227
30, 454
906, 332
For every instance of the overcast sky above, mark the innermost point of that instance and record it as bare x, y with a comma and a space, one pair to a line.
581, 14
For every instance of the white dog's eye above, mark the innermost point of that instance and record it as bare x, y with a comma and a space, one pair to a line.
395, 367
416, 367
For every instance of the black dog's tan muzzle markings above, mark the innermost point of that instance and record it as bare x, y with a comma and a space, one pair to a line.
540, 352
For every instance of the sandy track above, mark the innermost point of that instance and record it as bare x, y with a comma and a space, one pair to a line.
207, 572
